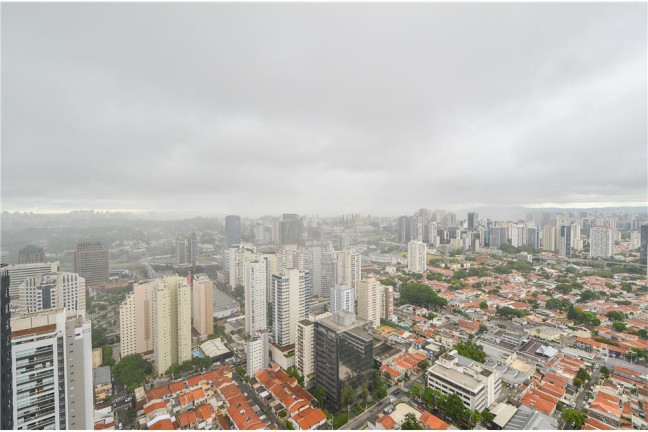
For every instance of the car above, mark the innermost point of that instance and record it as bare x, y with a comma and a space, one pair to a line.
121, 426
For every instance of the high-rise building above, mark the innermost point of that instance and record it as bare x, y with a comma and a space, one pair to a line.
182, 252
343, 298
519, 235
601, 242
576, 242
348, 267
19, 272
498, 236
388, 303
370, 296
291, 304
549, 238
643, 254
343, 353
319, 261
31, 255
203, 304
91, 263
404, 229
52, 291
305, 348
473, 221
6, 380
52, 370
171, 322
533, 237
257, 352
564, 241
416, 228
136, 319
292, 229
256, 295
194, 251
232, 230
417, 256
237, 256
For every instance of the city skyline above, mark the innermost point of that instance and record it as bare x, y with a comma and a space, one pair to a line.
456, 105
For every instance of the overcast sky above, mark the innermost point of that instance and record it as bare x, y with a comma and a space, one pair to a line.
310, 108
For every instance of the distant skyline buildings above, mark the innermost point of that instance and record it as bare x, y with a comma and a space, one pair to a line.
91, 262
232, 230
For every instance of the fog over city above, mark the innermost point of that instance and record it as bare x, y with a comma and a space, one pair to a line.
322, 108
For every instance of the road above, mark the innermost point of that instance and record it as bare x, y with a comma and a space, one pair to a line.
580, 399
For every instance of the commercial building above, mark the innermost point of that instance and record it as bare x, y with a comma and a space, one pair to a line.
477, 385
91, 263
416, 257
292, 229
256, 296
31, 255
388, 303
404, 229
52, 369
348, 267
258, 353
370, 295
343, 353
549, 238
601, 242
498, 236
473, 221
52, 291
564, 241
19, 272
203, 304
232, 230
136, 319
533, 237
171, 322
6, 380
343, 298
291, 304
320, 262
182, 252
519, 235
643, 255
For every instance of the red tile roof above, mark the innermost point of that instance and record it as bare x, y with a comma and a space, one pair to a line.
309, 418
433, 422
387, 422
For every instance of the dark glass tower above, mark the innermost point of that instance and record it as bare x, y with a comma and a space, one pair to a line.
6, 404
233, 230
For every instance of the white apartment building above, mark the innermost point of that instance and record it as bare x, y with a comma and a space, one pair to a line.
342, 298
256, 296
136, 319
518, 235
52, 291
387, 303
417, 255
477, 385
171, 322
19, 272
550, 238
237, 255
348, 268
258, 353
203, 304
290, 304
370, 295
601, 242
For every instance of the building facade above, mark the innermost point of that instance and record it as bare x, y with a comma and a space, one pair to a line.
91, 263
258, 353
19, 272
31, 255
52, 291
136, 319
348, 267
370, 295
416, 257
6, 377
232, 230
601, 242
291, 304
256, 296
343, 298
203, 304
171, 322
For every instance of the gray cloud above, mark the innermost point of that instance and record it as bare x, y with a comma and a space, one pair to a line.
266, 108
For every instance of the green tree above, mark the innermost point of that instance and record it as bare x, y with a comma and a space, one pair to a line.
583, 374
340, 420
131, 371
553, 304
605, 372
483, 305
618, 326
482, 328
410, 423
416, 391
616, 316
471, 350
454, 407
107, 356
573, 419
98, 336
320, 394
643, 334
487, 417
347, 395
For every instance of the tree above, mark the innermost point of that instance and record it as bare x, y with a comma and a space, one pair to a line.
643, 334
616, 316
365, 392
577, 381
483, 305
573, 419
471, 350
416, 391
320, 394
618, 326
583, 374
487, 417
340, 420
553, 304
107, 356
131, 371
410, 422
482, 328
454, 407
605, 372
98, 336
347, 395
423, 365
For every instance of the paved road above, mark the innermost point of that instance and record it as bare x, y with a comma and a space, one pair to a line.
580, 399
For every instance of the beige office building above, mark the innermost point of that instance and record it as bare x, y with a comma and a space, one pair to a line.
171, 322
348, 268
136, 319
203, 304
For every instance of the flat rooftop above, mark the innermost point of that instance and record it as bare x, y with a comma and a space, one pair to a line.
455, 377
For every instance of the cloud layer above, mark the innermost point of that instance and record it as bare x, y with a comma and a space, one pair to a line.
314, 108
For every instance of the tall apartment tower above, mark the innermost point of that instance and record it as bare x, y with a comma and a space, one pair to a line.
601, 242
473, 221
232, 230
533, 237
305, 349
319, 261
19, 272
643, 254
519, 235
292, 229
203, 304
348, 267
291, 304
237, 256
52, 291
31, 255
193, 250
564, 241
256, 295
498, 236
404, 229
182, 252
136, 319
576, 242
91, 263
343, 298
343, 353
171, 322
387, 303
6, 380
417, 255
549, 238
370, 295
257, 352
52, 368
